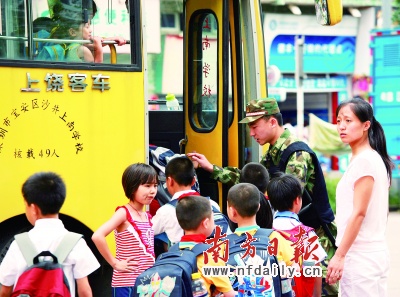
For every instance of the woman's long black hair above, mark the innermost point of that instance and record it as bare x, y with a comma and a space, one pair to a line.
376, 136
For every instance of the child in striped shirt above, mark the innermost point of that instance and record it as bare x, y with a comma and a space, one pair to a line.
132, 229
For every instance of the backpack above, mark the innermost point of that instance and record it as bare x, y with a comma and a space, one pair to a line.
220, 219
171, 273
44, 278
158, 159
56, 52
314, 212
302, 286
254, 285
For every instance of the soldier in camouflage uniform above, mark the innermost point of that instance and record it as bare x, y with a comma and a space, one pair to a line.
266, 126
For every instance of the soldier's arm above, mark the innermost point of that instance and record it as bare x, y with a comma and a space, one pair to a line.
226, 175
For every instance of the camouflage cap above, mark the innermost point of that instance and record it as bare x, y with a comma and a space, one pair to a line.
256, 109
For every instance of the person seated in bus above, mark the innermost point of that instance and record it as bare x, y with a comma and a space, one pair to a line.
41, 29
75, 26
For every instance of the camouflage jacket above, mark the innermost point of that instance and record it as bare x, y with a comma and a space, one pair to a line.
299, 164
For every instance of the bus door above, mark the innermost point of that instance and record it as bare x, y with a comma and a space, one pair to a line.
224, 67
206, 85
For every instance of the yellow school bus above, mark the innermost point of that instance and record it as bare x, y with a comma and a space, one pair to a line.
88, 121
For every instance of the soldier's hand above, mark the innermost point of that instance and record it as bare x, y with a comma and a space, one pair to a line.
201, 160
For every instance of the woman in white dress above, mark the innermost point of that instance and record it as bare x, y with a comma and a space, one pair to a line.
361, 261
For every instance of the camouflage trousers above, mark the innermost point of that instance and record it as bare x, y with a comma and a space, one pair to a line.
328, 290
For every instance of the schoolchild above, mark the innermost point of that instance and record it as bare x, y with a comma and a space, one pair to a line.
132, 228
44, 194
242, 206
195, 217
256, 174
70, 24
180, 177
285, 195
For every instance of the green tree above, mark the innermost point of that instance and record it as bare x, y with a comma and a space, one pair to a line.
396, 14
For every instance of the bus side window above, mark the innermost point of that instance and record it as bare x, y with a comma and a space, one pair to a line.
112, 22
12, 30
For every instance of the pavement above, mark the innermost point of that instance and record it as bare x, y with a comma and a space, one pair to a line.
393, 240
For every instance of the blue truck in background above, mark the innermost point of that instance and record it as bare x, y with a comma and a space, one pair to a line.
385, 92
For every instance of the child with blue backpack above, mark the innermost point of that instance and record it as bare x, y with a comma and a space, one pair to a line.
179, 271
195, 217
242, 206
285, 194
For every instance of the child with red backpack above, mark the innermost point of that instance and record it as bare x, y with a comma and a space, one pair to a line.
44, 194
285, 194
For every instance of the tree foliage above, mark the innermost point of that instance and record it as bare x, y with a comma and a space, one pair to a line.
396, 14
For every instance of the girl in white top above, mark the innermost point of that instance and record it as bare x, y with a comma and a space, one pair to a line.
361, 262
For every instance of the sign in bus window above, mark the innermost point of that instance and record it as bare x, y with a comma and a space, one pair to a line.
65, 31
205, 71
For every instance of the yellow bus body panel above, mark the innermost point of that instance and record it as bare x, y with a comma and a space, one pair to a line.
45, 131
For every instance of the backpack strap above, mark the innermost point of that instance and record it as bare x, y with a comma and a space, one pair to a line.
66, 245
26, 247
197, 249
262, 236
56, 52
200, 248
29, 250
319, 188
173, 202
294, 147
263, 233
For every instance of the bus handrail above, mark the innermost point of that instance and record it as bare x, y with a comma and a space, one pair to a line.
17, 38
110, 43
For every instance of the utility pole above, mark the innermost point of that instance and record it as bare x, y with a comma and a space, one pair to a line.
386, 14
299, 76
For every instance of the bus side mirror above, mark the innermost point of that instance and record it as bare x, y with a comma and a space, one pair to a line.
329, 12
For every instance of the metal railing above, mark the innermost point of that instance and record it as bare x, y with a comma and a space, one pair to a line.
110, 43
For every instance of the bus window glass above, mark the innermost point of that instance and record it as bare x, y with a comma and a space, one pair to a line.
63, 31
12, 29
204, 66
230, 87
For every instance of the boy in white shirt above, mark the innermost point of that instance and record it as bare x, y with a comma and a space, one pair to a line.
180, 177
44, 194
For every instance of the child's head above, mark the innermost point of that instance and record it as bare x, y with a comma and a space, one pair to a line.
194, 214
135, 175
72, 19
245, 199
46, 190
84, 32
181, 169
283, 190
256, 174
